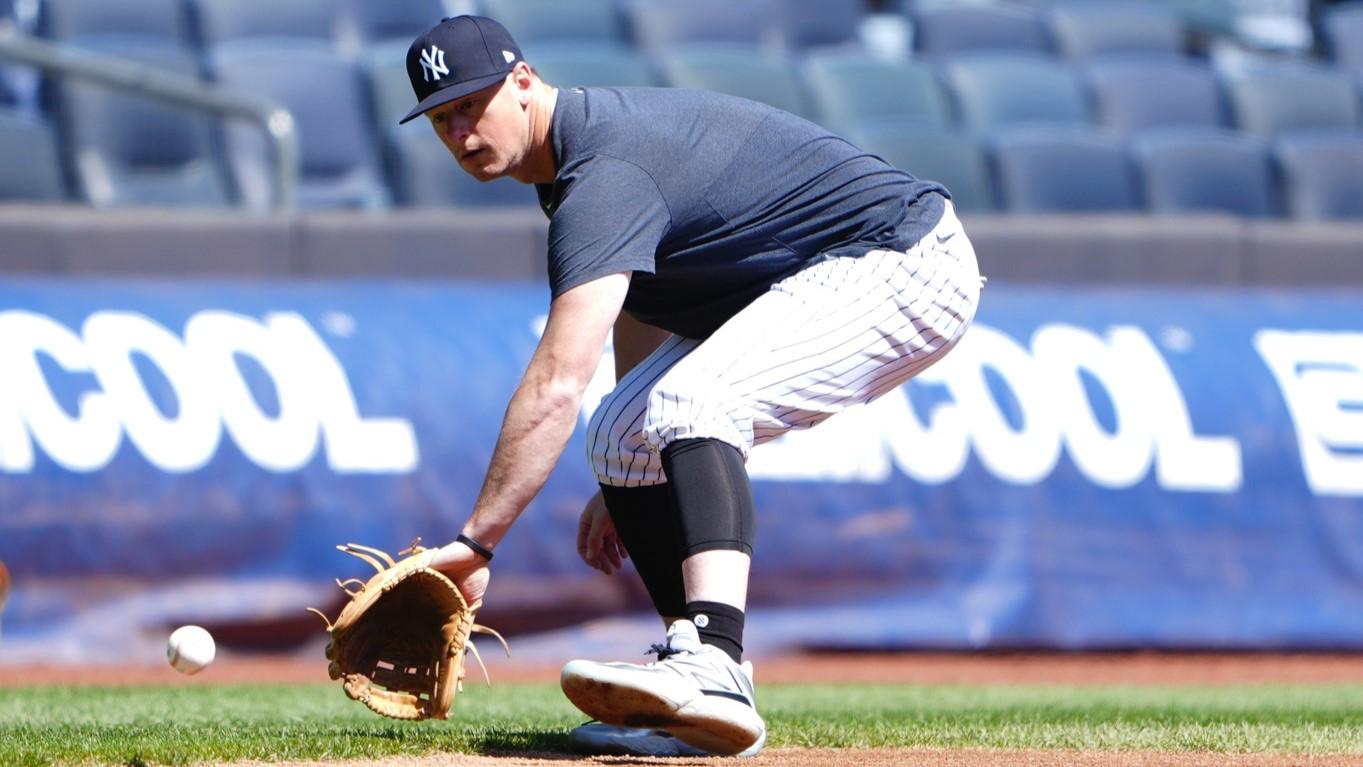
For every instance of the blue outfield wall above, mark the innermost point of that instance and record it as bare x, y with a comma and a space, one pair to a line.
1090, 468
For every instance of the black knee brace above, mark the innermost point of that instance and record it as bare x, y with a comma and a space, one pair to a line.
646, 521
713, 496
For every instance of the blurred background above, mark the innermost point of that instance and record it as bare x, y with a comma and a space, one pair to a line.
244, 317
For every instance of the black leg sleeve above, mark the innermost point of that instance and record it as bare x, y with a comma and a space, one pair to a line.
646, 523
713, 496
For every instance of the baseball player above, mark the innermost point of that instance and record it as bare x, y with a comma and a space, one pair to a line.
759, 274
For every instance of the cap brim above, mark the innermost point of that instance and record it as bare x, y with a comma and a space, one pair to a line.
451, 92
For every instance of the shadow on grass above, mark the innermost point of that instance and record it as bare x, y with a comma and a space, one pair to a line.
536, 743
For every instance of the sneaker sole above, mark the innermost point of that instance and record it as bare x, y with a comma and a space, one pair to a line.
711, 723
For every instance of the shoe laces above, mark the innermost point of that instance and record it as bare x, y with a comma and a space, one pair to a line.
661, 651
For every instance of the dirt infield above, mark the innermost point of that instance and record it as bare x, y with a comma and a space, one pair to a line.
1143, 668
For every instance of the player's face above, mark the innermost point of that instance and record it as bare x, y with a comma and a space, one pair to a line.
486, 131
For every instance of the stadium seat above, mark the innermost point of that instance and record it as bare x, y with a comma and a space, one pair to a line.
1322, 174
220, 21
1003, 89
125, 149
376, 21
339, 164
16, 82
588, 65
1199, 171
1268, 101
160, 19
426, 175
803, 25
932, 152
1061, 170
1084, 30
28, 153
1342, 26
851, 88
660, 25
384, 67
1132, 95
739, 71
541, 21
953, 29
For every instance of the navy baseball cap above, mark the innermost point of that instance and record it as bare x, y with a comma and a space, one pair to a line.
456, 57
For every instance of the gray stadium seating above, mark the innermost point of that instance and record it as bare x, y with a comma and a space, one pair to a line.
340, 166
539, 21
220, 21
1343, 29
660, 25
802, 25
953, 29
1084, 30
1003, 89
1061, 170
1267, 101
65, 19
426, 175
1322, 174
124, 149
739, 71
851, 88
1131, 95
17, 83
376, 21
1200, 171
28, 153
587, 65
384, 67
933, 152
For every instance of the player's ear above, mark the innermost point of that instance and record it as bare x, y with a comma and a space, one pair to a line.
523, 77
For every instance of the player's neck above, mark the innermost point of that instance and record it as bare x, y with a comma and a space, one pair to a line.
540, 166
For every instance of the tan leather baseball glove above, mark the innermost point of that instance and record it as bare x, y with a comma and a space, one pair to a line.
398, 646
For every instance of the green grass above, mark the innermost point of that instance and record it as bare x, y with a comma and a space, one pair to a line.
188, 724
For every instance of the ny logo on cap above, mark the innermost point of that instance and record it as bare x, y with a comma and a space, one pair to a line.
433, 64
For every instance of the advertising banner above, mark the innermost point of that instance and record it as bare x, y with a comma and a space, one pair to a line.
1089, 468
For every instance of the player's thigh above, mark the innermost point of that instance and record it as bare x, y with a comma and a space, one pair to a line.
616, 449
837, 334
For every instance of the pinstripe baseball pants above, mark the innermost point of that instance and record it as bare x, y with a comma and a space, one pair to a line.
836, 334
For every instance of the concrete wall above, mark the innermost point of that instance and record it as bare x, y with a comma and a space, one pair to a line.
491, 244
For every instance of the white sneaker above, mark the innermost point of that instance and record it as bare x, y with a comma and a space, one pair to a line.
694, 691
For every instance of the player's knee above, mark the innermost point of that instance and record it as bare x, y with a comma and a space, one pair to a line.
674, 415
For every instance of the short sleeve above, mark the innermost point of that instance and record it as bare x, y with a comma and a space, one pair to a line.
611, 218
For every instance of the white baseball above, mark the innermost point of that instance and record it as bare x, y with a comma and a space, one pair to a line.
190, 649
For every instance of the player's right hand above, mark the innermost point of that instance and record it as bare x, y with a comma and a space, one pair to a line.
467, 569
597, 542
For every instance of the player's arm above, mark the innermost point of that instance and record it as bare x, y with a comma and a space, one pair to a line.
544, 409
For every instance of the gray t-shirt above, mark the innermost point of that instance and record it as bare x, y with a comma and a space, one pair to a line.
710, 199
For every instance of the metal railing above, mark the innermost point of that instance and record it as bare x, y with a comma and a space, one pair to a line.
156, 83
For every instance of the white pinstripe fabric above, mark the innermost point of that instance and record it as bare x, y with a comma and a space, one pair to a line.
839, 333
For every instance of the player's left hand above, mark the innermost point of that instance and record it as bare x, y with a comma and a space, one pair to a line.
465, 567
597, 542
